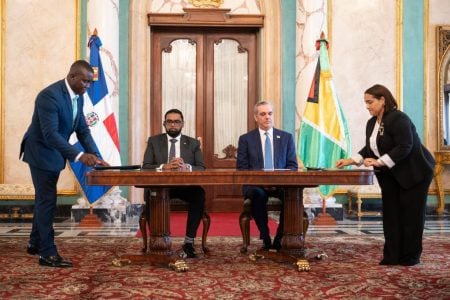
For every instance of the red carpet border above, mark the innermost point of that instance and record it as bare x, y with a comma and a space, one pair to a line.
351, 271
222, 224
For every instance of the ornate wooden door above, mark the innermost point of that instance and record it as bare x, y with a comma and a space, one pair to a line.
211, 76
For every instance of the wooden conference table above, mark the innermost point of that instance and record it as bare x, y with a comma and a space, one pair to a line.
160, 246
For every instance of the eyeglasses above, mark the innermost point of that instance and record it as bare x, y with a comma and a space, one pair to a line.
173, 122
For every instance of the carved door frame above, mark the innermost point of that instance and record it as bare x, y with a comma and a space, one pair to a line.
245, 30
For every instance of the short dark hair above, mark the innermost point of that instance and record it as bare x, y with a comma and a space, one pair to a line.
174, 111
379, 91
80, 64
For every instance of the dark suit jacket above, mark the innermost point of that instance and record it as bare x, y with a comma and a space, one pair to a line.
250, 154
45, 144
413, 162
156, 152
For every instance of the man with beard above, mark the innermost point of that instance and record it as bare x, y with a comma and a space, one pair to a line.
174, 151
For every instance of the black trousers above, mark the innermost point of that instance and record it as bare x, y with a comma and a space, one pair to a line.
259, 197
195, 196
403, 218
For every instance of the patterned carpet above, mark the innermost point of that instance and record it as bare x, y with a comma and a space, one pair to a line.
351, 271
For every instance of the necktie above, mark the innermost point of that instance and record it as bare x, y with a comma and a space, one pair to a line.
172, 149
75, 107
268, 164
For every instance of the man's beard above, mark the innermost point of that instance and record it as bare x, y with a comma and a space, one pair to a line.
173, 132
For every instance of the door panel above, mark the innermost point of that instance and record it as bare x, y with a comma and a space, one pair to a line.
231, 64
177, 79
178, 82
211, 76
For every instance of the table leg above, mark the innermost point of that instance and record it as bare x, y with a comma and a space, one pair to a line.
160, 243
293, 241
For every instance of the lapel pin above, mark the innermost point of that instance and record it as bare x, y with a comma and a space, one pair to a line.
278, 136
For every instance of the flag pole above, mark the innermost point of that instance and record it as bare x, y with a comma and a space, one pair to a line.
90, 220
323, 133
324, 218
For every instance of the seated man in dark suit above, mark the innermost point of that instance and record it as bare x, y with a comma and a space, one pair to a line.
255, 153
174, 151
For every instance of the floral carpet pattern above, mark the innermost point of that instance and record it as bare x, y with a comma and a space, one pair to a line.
350, 271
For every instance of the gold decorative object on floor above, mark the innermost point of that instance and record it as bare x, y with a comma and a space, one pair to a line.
207, 3
171, 261
255, 256
302, 265
179, 266
117, 262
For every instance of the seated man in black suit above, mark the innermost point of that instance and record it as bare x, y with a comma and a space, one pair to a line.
174, 151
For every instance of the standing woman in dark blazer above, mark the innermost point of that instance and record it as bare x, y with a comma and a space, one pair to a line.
404, 169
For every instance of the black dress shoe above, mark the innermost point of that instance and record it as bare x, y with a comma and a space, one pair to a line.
32, 250
276, 245
189, 250
267, 244
54, 261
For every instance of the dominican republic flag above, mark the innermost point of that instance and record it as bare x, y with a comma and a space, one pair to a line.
100, 117
323, 135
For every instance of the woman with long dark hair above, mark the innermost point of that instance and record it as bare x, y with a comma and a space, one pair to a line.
404, 169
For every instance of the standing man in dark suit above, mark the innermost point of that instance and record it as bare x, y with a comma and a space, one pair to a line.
174, 151
57, 114
255, 153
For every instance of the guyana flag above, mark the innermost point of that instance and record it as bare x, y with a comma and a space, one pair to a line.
323, 135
